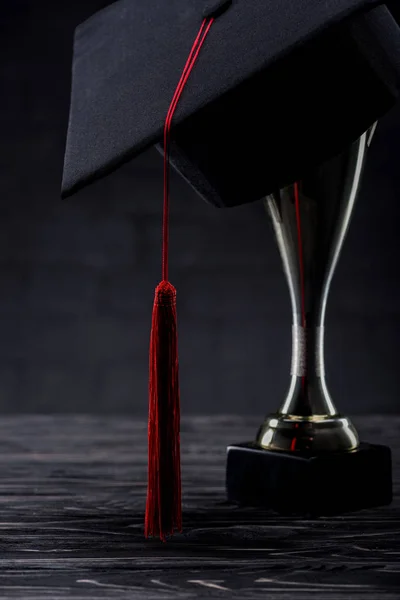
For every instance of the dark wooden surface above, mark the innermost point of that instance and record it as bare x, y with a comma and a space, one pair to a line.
71, 519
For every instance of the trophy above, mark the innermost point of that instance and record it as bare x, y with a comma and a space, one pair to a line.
307, 457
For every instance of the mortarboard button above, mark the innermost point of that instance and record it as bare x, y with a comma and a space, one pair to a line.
215, 9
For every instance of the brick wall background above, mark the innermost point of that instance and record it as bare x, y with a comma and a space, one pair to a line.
77, 277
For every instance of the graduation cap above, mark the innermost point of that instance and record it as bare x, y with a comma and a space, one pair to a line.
241, 97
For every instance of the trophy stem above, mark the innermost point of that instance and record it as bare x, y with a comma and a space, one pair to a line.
310, 221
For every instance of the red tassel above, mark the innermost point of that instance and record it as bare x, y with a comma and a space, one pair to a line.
163, 508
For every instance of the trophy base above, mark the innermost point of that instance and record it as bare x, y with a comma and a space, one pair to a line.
310, 485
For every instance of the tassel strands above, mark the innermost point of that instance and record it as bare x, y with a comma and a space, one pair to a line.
163, 511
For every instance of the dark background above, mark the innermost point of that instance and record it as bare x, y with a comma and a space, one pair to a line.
77, 277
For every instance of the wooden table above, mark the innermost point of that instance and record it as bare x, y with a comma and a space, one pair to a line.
72, 502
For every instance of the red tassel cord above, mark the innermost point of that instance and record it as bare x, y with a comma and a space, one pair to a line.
164, 506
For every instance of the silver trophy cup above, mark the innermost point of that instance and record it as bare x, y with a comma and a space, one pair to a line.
308, 445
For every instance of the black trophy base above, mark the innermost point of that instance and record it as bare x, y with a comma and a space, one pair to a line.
326, 484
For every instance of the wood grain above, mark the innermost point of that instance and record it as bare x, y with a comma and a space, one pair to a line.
72, 500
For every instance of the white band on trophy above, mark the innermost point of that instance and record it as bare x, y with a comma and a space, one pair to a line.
298, 367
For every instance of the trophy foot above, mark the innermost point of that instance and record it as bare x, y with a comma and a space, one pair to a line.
305, 484
318, 433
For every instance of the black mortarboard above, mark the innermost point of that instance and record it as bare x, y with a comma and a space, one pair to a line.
272, 76
270, 89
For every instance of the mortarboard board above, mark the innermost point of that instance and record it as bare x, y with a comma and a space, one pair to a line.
271, 75
269, 90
